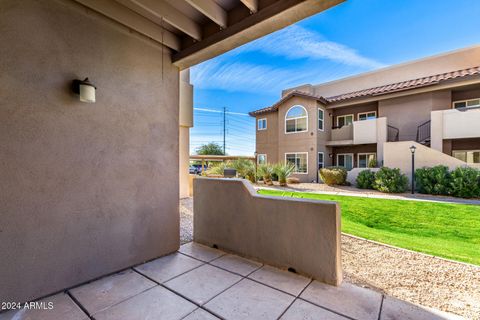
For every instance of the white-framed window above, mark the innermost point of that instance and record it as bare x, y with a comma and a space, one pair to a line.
321, 160
299, 160
345, 160
470, 103
364, 159
367, 115
344, 120
262, 124
262, 158
321, 119
468, 156
296, 119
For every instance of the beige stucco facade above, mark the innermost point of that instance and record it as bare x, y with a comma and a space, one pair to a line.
422, 114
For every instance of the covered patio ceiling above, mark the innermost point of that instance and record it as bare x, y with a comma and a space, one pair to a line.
197, 30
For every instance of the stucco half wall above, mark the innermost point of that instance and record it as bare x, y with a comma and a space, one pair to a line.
398, 155
286, 232
83, 186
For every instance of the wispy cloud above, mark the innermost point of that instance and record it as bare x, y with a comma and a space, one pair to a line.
296, 42
319, 60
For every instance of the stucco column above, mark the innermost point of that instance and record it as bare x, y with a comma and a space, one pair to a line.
185, 123
436, 130
382, 136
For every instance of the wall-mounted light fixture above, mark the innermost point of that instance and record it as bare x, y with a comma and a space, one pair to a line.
85, 89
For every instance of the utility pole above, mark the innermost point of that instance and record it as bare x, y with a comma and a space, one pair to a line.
224, 128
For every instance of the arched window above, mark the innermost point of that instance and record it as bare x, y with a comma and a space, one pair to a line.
296, 119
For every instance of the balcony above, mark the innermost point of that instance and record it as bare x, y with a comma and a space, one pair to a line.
360, 132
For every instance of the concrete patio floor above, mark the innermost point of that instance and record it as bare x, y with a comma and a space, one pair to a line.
199, 282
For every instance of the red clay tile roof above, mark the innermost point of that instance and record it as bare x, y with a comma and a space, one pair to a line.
288, 96
377, 91
407, 85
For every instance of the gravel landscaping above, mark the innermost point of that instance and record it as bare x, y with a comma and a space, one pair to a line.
421, 279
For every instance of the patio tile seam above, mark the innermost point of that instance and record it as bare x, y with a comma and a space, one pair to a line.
178, 275
236, 273
92, 316
201, 308
381, 307
67, 292
296, 298
325, 308
187, 255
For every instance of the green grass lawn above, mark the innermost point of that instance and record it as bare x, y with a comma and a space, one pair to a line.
442, 229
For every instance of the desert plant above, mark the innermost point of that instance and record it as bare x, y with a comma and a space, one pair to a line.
390, 180
435, 180
465, 182
265, 171
283, 171
216, 168
365, 179
245, 168
333, 175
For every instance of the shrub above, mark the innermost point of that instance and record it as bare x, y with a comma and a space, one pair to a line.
265, 171
245, 168
333, 175
465, 182
372, 163
435, 180
365, 179
390, 180
283, 171
216, 169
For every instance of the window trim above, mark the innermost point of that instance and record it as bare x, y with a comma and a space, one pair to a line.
258, 158
366, 113
323, 159
258, 122
362, 154
295, 153
323, 119
285, 119
466, 107
473, 150
343, 116
345, 154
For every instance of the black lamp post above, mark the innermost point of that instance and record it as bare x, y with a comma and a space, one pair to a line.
256, 161
412, 150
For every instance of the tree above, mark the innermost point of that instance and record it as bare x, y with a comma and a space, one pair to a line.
211, 148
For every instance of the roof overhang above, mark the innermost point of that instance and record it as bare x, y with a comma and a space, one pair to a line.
198, 30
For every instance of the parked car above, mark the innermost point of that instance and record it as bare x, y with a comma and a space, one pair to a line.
192, 170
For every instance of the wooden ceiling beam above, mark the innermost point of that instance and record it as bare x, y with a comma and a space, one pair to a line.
211, 10
159, 10
134, 21
252, 5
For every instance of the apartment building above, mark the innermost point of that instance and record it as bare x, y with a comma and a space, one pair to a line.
366, 120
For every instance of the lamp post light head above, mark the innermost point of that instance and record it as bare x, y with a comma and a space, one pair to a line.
85, 89
412, 149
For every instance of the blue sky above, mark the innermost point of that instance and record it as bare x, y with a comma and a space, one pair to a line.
351, 38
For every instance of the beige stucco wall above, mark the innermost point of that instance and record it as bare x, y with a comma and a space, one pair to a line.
450, 61
302, 234
185, 123
408, 112
301, 141
398, 155
267, 140
83, 185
